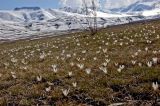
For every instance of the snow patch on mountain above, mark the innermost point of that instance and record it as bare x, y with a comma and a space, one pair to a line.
139, 6
28, 22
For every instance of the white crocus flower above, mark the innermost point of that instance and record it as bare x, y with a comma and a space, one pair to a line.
13, 60
54, 68
140, 64
133, 62
155, 60
119, 70
48, 89
104, 69
84, 51
74, 84
146, 49
70, 74
149, 64
42, 56
14, 76
105, 64
88, 70
121, 67
13, 73
104, 50
39, 78
116, 64
107, 60
95, 58
81, 66
155, 86
65, 91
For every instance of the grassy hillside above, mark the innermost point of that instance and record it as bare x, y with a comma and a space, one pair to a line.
118, 65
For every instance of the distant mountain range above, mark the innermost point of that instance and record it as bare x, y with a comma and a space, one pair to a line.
27, 8
25, 21
139, 6
28, 14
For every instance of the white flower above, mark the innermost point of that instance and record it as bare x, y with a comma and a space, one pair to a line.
13, 73
14, 76
121, 66
57, 57
6, 64
50, 84
54, 68
105, 64
88, 70
158, 36
104, 50
95, 58
133, 62
78, 44
71, 64
74, 54
140, 64
149, 64
48, 89
65, 91
97, 52
136, 54
81, 66
155, 60
104, 69
74, 84
70, 74
139, 50
84, 51
107, 60
78, 59
121, 44
13, 60
119, 70
39, 78
116, 64
107, 44
68, 56
24, 62
154, 52
155, 86
42, 56
146, 49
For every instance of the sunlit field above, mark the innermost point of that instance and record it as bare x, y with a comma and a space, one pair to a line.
119, 65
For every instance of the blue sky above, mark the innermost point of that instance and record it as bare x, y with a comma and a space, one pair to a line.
11, 4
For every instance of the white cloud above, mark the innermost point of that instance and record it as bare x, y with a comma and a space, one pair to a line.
106, 4
77, 3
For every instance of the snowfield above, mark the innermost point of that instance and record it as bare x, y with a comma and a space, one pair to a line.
26, 23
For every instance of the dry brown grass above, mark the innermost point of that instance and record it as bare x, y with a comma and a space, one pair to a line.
134, 83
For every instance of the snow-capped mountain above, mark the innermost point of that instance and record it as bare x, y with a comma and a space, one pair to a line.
28, 21
32, 14
25, 15
27, 8
139, 6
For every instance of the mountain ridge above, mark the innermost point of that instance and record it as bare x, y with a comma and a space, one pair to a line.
139, 6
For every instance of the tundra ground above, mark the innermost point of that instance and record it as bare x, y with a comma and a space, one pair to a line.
120, 64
